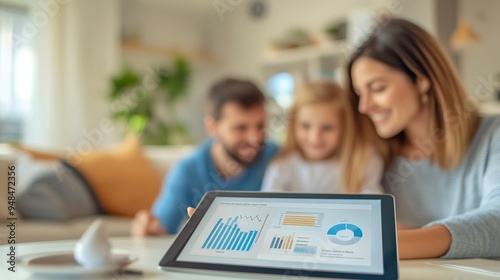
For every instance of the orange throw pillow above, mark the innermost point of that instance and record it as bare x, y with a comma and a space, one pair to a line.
123, 179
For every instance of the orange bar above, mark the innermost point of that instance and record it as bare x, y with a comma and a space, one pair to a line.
299, 224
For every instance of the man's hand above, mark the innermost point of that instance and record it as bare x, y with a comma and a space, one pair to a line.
145, 224
190, 211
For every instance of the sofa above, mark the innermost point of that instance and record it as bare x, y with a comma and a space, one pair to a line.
31, 230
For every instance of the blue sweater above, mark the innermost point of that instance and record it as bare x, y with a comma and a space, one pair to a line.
188, 180
466, 199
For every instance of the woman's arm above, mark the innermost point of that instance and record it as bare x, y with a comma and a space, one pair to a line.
429, 242
475, 233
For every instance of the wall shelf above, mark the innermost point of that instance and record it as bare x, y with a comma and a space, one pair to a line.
138, 46
278, 57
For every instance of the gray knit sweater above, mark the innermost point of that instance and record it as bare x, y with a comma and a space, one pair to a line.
466, 199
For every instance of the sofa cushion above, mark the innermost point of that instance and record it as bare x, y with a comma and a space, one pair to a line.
59, 194
123, 179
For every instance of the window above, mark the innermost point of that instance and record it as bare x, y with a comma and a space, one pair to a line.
282, 87
16, 73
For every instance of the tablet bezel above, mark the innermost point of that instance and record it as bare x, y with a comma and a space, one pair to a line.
389, 244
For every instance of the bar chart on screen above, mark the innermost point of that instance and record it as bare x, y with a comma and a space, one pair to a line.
292, 243
301, 219
236, 233
283, 242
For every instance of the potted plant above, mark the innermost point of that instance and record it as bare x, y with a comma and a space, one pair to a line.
146, 104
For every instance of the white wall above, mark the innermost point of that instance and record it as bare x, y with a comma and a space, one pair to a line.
238, 41
242, 40
479, 62
172, 24
421, 12
77, 50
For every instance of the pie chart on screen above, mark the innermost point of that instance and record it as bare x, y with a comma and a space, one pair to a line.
344, 234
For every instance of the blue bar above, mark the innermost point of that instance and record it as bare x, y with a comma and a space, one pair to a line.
230, 237
277, 242
250, 242
230, 233
272, 243
244, 247
281, 243
244, 241
231, 244
211, 233
241, 241
224, 233
216, 233
219, 235
236, 241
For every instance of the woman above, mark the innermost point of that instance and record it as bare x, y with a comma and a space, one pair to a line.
443, 159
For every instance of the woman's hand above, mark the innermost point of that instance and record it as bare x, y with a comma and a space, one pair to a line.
424, 243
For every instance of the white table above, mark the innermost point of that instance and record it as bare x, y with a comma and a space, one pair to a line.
151, 250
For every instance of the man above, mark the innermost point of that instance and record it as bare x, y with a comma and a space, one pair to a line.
234, 158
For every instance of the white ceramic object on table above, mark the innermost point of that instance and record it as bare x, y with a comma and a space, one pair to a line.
91, 255
93, 249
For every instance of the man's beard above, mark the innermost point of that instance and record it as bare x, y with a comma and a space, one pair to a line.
233, 154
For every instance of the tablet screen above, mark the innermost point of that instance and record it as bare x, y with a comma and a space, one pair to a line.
343, 235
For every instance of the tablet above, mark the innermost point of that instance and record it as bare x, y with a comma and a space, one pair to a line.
307, 235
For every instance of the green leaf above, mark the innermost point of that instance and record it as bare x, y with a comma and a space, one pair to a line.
137, 123
126, 79
137, 103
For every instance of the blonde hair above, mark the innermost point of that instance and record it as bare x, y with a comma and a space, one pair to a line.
320, 92
408, 48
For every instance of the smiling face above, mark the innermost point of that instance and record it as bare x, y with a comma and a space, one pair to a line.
241, 131
387, 96
317, 130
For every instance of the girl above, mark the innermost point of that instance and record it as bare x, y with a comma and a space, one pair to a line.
312, 159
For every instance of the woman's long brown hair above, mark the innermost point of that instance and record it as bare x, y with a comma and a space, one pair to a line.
408, 48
